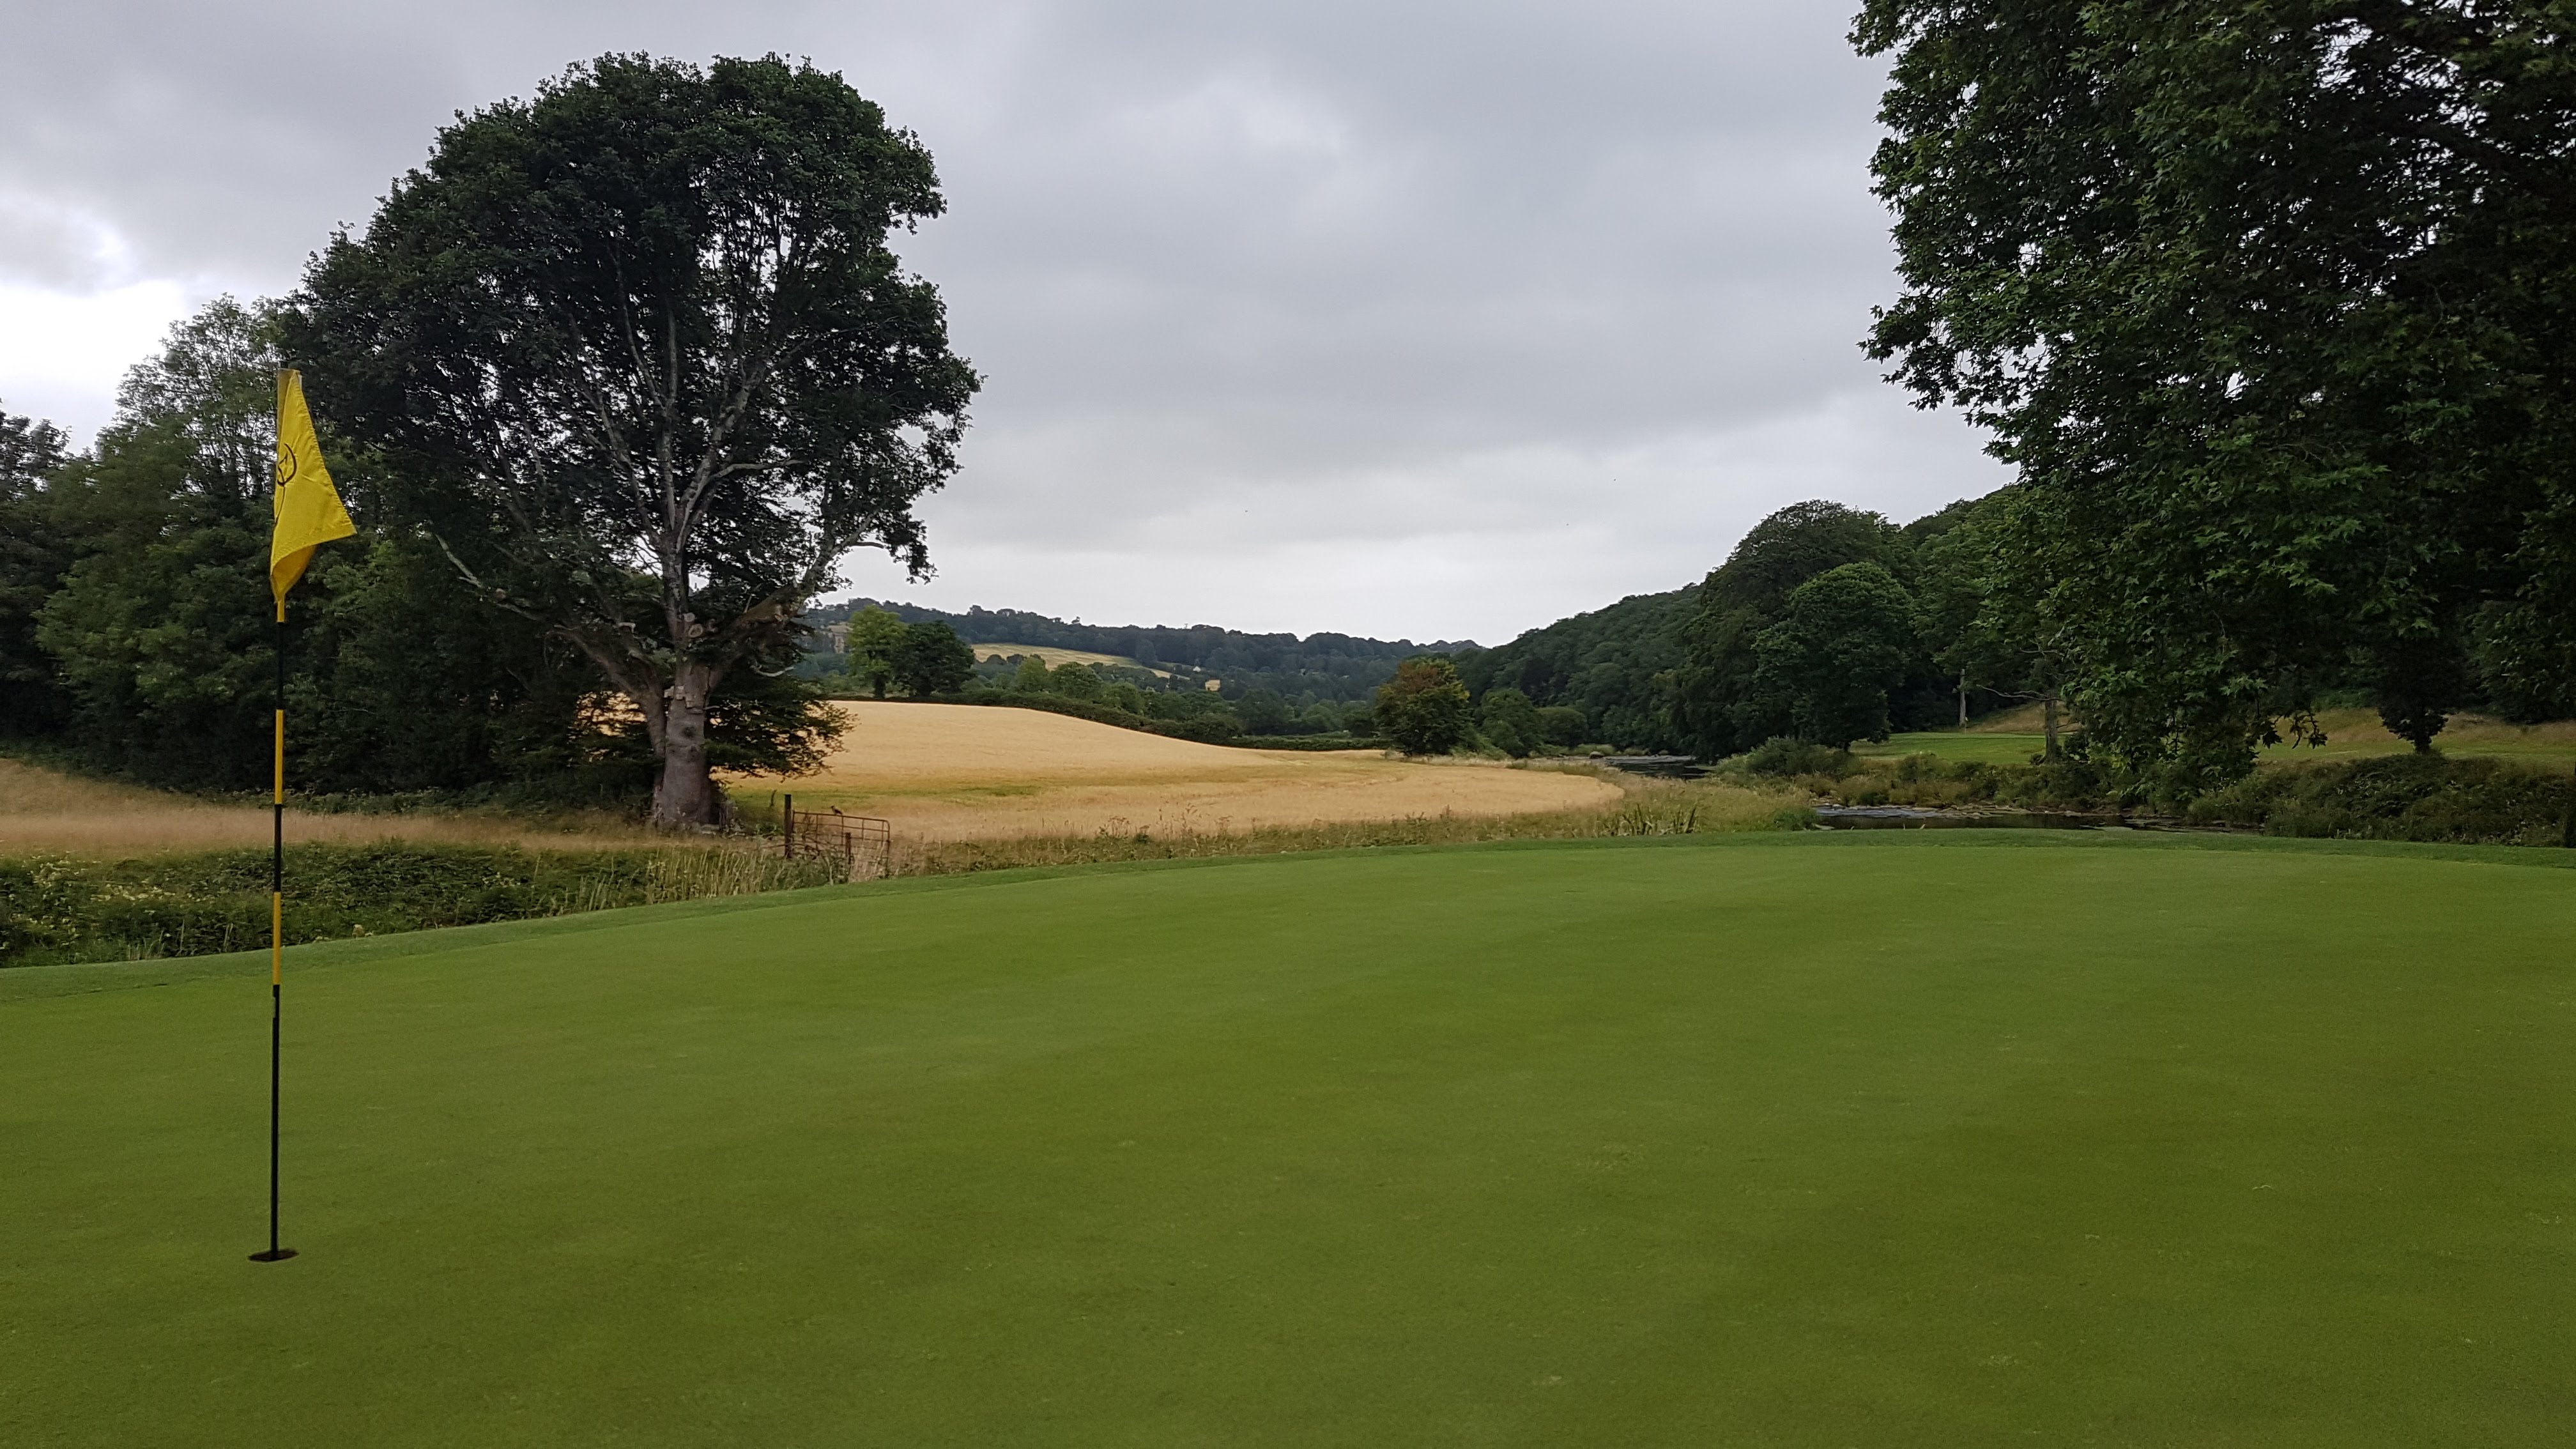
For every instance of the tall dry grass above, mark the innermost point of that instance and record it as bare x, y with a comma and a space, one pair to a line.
964, 773
47, 811
1642, 807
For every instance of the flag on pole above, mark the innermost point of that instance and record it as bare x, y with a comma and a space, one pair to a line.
309, 515
308, 508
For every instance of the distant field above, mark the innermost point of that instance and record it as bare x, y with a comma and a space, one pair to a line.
1794, 1140
1056, 657
2350, 733
1990, 749
956, 772
45, 810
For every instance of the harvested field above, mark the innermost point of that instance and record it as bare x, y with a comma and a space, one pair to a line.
968, 772
1056, 658
45, 810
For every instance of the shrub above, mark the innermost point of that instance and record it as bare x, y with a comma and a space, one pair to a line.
2399, 797
1784, 757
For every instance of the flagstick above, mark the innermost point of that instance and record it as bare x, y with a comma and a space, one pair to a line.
276, 941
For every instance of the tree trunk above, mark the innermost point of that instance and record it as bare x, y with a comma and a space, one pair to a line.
686, 794
1963, 701
2048, 716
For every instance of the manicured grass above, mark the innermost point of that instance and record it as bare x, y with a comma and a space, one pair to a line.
1984, 749
1793, 1140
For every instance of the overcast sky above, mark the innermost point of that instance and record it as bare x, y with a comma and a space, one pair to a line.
1431, 321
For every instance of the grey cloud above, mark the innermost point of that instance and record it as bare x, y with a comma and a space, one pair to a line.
1539, 303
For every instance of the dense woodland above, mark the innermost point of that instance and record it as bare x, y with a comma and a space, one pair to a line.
1826, 623
1327, 668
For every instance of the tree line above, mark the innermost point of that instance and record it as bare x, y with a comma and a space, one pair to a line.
1328, 667
888, 657
1826, 623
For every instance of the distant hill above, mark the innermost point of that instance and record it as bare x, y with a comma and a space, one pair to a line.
1338, 667
1606, 663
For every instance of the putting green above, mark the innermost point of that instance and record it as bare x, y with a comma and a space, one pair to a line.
1782, 1141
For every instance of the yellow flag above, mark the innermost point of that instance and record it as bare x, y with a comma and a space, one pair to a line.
308, 508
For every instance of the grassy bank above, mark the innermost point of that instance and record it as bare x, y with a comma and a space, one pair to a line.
1784, 1140
2433, 799
61, 908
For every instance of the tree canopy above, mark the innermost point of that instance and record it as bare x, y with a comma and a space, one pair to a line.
650, 368
2267, 303
1424, 708
1845, 639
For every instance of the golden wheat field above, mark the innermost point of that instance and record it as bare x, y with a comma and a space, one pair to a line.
42, 810
968, 772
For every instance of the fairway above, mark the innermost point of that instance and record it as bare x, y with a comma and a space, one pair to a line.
1752, 1140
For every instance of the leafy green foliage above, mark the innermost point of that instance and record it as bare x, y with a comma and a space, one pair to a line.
1074, 680
931, 659
1613, 666
33, 558
1783, 756
1425, 708
158, 641
1723, 700
643, 356
1510, 722
1845, 639
874, 636
60, 908
2468, 800
2267, 305
1317, 668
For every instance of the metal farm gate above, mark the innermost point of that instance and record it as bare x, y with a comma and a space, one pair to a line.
863, 843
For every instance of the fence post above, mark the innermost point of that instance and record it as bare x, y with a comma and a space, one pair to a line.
787, 829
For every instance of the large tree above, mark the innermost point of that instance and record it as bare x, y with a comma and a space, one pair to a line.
1844, 641
2269, 302
1721, 707
645, 343
1424, 708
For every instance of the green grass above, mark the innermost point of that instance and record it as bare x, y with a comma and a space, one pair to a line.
1791, 1140
1983, 749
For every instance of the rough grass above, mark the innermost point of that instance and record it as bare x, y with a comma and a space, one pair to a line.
43, 810
1643, 807
1786, 1140
62, 906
